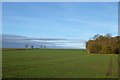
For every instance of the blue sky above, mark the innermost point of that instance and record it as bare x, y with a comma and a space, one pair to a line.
60, 20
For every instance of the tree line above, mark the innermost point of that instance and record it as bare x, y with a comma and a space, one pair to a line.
28, 46
103, 44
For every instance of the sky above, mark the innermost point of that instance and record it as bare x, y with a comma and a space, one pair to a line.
68, 20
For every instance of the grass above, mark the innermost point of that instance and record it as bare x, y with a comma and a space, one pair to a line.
57, 63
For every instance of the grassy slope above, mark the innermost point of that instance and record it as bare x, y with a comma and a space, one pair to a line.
56, 64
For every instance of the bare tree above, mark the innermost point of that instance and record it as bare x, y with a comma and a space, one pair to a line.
108, 36
96, 36
26, 45
44, 46
41, 46
32, 46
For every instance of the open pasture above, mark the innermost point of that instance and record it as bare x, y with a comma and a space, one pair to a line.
58, 63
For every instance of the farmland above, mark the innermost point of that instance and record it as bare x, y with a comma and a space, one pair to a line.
58, 63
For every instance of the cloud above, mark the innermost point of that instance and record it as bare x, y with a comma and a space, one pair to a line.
12, 40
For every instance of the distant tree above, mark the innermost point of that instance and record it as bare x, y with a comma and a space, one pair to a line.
44, 46
41, 46
26, 45
32, 46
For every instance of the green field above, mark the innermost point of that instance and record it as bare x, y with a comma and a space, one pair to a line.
58, 63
